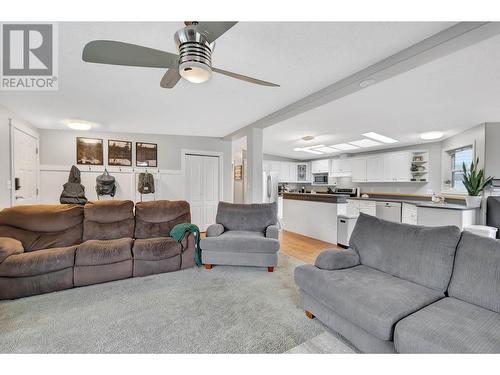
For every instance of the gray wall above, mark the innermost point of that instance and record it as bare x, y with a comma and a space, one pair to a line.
58, 147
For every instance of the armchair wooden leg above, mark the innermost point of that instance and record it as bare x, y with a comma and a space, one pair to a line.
208, 266
270, 269
309, 314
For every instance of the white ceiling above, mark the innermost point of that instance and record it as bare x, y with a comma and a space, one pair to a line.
302, 57
451, 94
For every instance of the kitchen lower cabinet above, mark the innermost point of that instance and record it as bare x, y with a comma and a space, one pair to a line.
435, 217
409, 214
355, 206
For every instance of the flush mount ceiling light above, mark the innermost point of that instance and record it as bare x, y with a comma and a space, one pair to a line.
311, 149
344, 147
308, 138
431, 135
365, 143
366, 83
379, 137
79, 125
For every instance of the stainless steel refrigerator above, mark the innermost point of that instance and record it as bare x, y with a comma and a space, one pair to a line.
270, 187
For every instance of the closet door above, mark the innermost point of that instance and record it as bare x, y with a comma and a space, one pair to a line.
202, 188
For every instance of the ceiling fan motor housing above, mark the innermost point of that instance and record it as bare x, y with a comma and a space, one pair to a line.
195, 55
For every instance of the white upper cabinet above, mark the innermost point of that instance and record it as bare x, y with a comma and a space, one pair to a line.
284, 174
340, 167
358, 169
292, 174
375, 168
274, 166
303, 171
320, 166
397, 167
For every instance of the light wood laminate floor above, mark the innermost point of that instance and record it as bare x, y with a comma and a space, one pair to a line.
301, 247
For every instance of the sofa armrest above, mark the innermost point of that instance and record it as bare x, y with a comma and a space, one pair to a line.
215, 230
9, 246
337, 259
272, 231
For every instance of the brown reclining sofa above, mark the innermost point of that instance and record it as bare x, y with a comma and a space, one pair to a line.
45, 248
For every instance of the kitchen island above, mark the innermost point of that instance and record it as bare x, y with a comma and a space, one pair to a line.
313, 215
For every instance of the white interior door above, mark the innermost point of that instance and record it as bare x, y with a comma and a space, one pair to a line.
202, 188
25, 162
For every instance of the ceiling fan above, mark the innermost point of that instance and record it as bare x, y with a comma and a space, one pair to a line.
195, 42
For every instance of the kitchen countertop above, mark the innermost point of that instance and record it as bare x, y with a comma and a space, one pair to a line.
317, 197
418, 203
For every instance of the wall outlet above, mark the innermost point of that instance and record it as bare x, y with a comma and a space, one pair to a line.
430, 192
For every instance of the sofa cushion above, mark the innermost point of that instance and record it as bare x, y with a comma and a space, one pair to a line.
247, 217
241, 241
420, 254
336, 259
43, 226
107, 220
449, 326
476, 274
371, 299
156, 248
157, 218
9, 246
98, 252
38, 262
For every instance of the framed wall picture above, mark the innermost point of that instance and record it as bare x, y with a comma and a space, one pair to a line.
119, 153
146, 154
89, 151
238, 172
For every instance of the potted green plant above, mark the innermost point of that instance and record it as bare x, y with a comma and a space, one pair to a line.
475, 182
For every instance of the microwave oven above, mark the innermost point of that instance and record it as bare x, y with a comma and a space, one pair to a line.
320, 179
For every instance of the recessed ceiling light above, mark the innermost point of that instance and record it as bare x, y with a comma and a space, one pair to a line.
326, 150
309, 149
431, 135
79, 125
379, 137
344, 147
308, 138
366, 83
365, 143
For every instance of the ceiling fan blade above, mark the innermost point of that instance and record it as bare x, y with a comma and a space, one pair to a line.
120, 53
170, 78
244, 78
213, 30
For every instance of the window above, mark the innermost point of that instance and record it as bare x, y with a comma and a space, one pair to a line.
459, 156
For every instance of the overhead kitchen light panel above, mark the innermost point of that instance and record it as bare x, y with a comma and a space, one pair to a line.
379, 137
365, 143
326, 150
344, 147
309, 150
312, 151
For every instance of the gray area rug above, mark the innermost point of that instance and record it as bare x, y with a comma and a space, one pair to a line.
223, 310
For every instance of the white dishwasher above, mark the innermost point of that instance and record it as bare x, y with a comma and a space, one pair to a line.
390, 211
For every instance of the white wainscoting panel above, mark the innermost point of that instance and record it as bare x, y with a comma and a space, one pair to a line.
169, 184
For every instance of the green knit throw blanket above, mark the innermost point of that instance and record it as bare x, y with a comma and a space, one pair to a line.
179, 231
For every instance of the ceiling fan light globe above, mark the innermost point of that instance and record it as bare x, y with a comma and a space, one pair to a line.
195, 72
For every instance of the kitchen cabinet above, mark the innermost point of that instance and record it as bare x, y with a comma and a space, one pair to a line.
435, 217
284, 173
340, 167
320, 166
292, 172
355, 206
409, 214
358, 169
303, 172
375, 168
274, 166
396, 167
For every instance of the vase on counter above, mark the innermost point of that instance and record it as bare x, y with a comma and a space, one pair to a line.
473, 201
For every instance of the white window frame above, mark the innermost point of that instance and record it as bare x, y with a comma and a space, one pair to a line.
451, 154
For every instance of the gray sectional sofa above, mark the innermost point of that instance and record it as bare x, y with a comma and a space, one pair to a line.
243, 235
408, 289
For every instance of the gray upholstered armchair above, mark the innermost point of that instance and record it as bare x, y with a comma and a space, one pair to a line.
244, 235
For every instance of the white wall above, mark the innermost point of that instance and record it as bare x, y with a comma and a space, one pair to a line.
58, 153
5, 159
